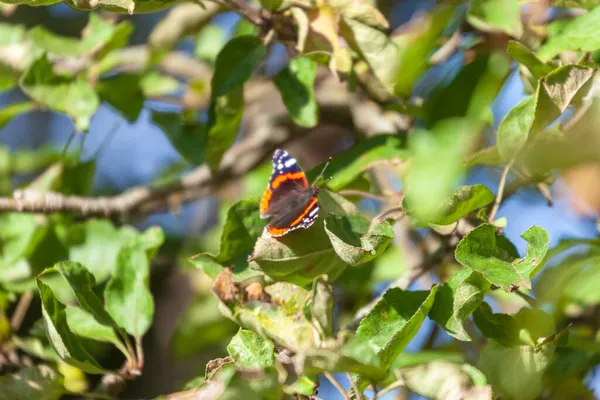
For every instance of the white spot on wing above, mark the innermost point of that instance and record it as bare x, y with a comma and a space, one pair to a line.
313, 212
290, 162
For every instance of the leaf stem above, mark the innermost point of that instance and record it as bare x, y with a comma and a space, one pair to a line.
21, 310
500, 193
357, 393
337, 385
530, 300
139, 352
398, 384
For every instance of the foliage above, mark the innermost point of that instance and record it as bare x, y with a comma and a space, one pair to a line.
82, 284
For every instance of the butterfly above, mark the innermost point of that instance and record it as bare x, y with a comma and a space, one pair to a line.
288, 198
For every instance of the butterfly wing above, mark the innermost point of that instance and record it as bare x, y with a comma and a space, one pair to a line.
287, 180
298, 212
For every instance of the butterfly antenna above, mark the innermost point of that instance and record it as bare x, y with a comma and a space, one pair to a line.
323, 171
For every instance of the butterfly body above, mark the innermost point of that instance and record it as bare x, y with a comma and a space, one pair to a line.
288, 199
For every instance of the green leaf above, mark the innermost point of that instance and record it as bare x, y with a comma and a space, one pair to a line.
354, 357
513, 131
464, 200
72, 96
296, 85
19, 236
582, 33
39, 382
123, 92
224, 119
483, 251
354, 241
209, 43
478, 82
99, 36
243, 226
363, 12
96, 244
444, 380
127, 295
394, 321
187, 138
82, 283
415, 46
236, 63
211, 266
516, 371
11, 111
437, 165
282, 319
251, 350
496, 16
320, 306
457, 299
85, 324
526, 57
558, 89
155, 84
346, 167
374, 46
486, 156
271, 5
64, 341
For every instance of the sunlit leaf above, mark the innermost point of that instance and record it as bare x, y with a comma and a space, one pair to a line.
64, 341
127, 295
72, 96
251, 350
581, 33
483, 251
496, 15
189, 139
436, 163
516, 371
295, 83
457, 299
354, 241
9, 112
235, 64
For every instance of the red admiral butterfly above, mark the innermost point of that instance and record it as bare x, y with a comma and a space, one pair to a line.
288, 198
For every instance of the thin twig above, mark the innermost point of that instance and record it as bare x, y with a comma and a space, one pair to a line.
357, 393
337, 385
500, 193
368, 195
68, 144
398, 384
19, 314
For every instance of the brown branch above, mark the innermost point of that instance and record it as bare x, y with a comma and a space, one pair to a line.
19, 314
267, 127
500, 193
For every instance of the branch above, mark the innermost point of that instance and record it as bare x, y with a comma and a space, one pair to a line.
267, 127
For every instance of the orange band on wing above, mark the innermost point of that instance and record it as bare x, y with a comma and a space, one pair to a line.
287, 177
310, 206
264, 202
276, 231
